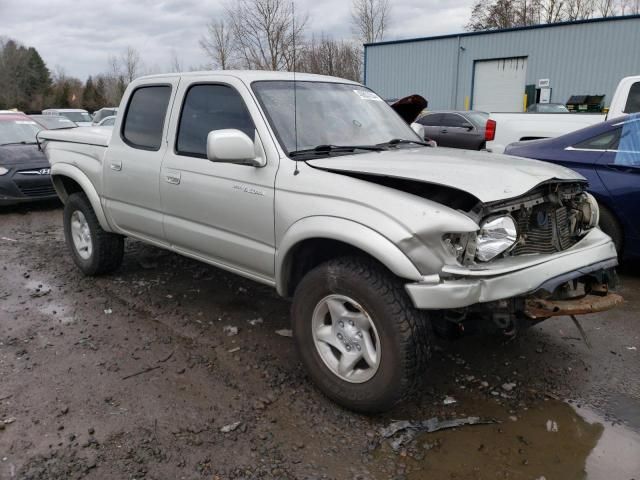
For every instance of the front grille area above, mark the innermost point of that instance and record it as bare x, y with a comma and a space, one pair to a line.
544, 229
42, 190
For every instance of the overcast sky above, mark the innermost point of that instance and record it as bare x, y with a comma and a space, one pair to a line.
80, 35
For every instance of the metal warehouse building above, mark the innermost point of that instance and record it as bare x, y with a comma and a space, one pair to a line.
494, 70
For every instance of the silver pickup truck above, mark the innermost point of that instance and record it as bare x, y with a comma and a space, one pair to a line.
315, 186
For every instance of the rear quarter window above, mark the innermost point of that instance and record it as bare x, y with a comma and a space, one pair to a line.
144, 119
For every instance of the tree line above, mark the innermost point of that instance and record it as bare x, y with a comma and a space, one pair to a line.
491, 15
271, 35
263, 35
26, 83
251, 34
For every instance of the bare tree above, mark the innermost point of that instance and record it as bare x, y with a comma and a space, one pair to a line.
327, 56
219, 44
605, 8
267, 33
579, 9
552, 11
493, 15
370, 19
175, 64
629, 7
131, 63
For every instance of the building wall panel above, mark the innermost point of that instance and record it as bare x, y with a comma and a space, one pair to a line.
578, 58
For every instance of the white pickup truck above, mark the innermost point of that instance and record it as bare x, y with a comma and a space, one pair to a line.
315, 186
505, 128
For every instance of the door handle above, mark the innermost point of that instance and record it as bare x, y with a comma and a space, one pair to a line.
172, 177
444, 130
115, 165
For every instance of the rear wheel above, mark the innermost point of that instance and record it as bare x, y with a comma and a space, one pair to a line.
610, 225
361, 340
94, 250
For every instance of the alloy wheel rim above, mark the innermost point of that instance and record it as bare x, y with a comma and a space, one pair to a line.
81, 235
346, 338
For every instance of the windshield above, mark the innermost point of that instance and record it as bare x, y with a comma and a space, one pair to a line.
328, 114
18, 131
77, 116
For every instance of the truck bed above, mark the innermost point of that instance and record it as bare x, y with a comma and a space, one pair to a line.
513, 127
98, 136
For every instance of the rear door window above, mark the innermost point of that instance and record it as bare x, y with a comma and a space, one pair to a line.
604, 141
453, 120
207, 108
633, 100
144, 119
431, 120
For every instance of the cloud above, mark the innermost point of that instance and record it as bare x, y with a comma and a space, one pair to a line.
80, 35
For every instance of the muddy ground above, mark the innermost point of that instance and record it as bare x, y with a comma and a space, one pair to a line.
133, 375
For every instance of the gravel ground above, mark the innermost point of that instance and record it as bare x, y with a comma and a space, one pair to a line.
138, 375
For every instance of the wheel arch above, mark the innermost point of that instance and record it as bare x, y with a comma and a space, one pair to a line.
313, 240
68, 180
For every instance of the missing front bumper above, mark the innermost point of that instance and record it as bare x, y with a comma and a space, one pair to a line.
538, 308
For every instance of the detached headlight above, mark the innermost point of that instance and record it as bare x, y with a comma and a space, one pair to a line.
3, 171
590, 211
497, 235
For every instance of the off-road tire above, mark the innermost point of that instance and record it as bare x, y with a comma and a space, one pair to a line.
610, 225
405, 333
108, 248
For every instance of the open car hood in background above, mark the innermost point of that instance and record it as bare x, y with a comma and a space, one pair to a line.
410, 107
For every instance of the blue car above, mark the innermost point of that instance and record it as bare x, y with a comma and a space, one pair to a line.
608, 156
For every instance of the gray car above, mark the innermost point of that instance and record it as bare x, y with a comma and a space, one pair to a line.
455, 129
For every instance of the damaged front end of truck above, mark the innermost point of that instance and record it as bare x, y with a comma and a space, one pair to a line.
536, 256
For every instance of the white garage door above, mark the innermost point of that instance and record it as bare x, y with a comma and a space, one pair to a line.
499, 85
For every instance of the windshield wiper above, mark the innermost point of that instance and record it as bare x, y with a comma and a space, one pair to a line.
17, 143
329, 149
403, 141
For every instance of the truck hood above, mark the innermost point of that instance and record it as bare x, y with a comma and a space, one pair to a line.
488, 177
99, 136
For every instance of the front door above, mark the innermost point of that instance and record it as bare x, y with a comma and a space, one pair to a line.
219, 212
131, 167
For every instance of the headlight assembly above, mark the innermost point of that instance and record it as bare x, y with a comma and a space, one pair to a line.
496, 236
3, 171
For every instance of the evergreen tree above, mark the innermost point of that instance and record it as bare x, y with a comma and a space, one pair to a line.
89, 96
101, 93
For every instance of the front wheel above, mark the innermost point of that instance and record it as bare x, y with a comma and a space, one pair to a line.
361, 340
94, 250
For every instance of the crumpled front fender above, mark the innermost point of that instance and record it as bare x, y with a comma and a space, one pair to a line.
346, 231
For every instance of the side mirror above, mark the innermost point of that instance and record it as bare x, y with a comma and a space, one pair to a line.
419, 129
232, 146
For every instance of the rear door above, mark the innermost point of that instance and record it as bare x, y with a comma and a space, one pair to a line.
131, 167
619, 169
220, 212
457, 132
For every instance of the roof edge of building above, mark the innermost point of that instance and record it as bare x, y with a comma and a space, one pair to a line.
503, 30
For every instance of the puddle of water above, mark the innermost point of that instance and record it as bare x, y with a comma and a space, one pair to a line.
617, 454
551, 440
